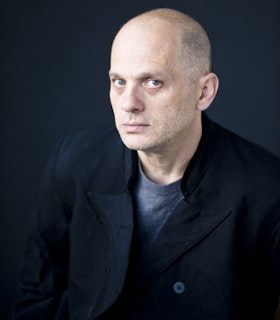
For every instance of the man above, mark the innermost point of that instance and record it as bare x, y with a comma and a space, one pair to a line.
178, 219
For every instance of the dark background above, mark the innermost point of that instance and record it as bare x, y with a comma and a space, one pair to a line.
54, 60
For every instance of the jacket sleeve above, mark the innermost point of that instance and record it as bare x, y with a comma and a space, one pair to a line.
43, 280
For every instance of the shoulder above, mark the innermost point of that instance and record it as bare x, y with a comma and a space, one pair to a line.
246, 155
98, 137
246, 171
89, 156
88, 147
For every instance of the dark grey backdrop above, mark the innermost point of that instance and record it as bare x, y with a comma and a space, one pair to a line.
54, 59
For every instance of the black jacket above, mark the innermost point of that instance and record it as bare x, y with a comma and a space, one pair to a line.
217, 257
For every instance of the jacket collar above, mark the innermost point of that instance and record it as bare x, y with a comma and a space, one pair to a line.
201, 160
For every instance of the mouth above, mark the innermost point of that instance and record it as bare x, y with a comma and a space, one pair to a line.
134, 127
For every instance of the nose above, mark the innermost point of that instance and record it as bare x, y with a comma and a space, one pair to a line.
131, 99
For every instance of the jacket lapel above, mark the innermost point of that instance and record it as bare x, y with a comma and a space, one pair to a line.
114, 214
187, 226
115, 209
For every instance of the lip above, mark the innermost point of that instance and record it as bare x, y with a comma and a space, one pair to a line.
134, 127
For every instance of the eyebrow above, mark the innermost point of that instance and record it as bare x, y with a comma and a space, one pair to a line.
142, 75
113, 75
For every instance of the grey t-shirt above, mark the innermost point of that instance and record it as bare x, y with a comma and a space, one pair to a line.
154, 203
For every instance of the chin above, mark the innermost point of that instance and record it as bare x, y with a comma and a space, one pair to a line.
144, 147
141, 142
136, 144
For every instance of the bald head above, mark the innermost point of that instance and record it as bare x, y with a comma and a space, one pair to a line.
183, 32
160, 82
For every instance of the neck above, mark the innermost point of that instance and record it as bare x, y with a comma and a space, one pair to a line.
169, 165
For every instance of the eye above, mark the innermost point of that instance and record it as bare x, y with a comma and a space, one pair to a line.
153, 83
118, 82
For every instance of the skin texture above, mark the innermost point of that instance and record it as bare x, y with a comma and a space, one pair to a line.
158, 91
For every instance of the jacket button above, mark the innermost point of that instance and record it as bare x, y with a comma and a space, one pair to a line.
179, 287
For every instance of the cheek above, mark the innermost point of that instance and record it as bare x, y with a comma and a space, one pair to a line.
177, 115
112, 98
117, 115
114, 103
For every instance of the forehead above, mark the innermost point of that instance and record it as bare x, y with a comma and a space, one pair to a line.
143, 46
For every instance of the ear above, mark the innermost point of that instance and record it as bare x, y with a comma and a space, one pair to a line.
209, 85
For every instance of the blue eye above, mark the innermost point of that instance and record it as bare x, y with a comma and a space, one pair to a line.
119, 82
153, 83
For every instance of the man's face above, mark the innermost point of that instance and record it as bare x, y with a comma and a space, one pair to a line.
154, 103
